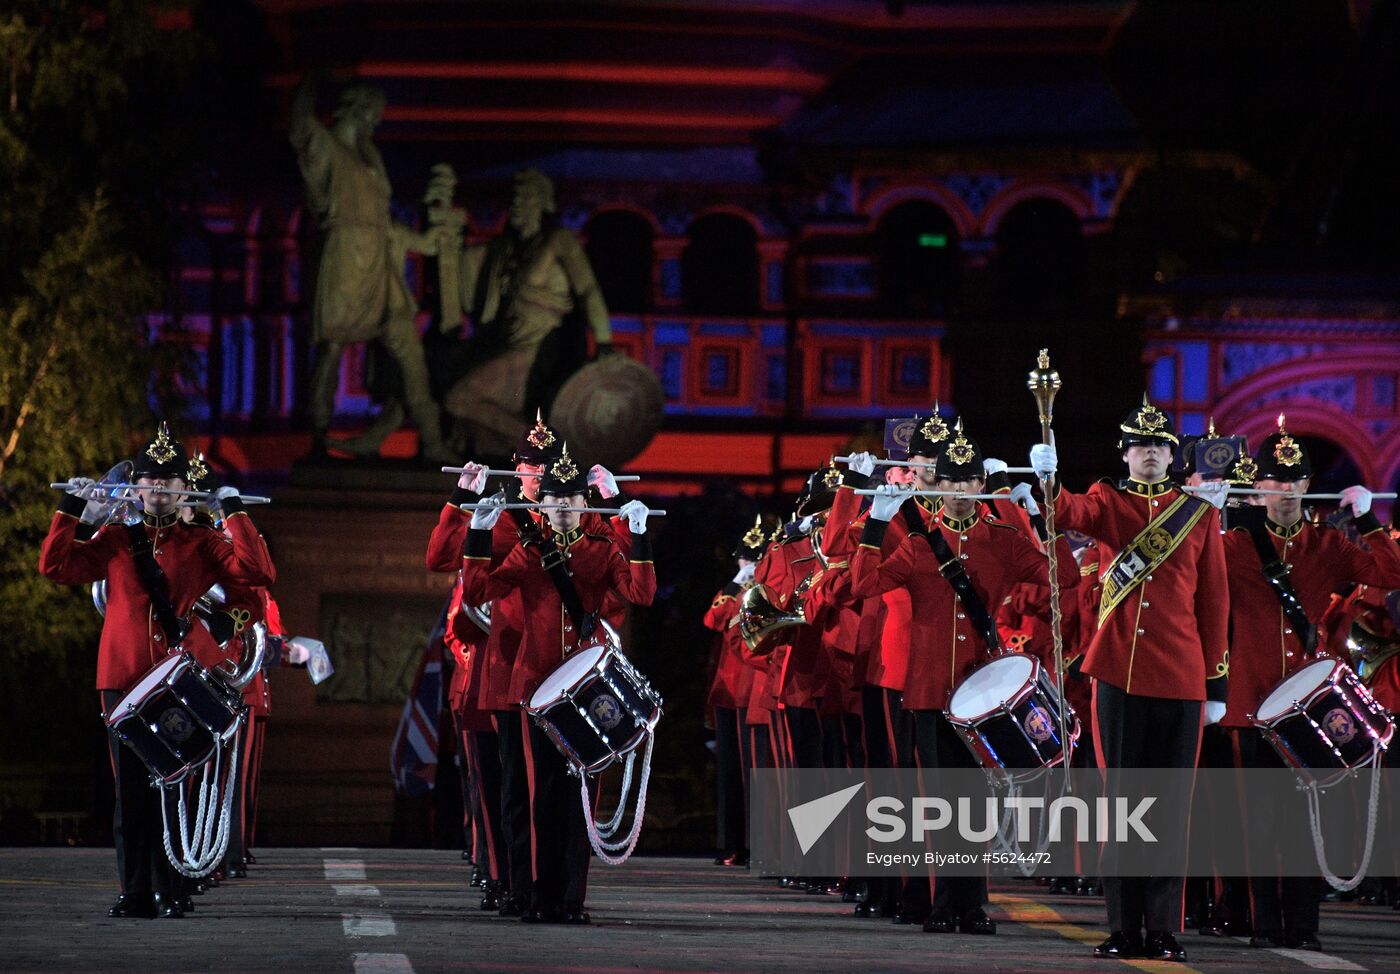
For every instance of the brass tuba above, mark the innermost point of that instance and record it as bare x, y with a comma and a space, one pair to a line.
759, 619
1369, 650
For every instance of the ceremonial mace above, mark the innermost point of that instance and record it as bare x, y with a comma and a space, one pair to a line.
1043, 383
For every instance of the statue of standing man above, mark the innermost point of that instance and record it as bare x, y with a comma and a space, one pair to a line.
361, 293
518, 288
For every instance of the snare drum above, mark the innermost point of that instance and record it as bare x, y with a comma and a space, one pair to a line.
1008, 712
595, 707
176, 716
1322, 719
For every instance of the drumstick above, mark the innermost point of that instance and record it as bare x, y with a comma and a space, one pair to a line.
1286, 493
872, 492
619, 477
179, 492
911, 463
551, 507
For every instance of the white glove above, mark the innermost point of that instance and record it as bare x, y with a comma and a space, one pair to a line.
484, 518
862, 463
296, 653
1215, 711
1213, 491
84, 487
225, 492
992, 465
886, 501
805, 525
473, 477
1044, 460
1021, 494
636, 514
1358, 499
599, 476
745, 574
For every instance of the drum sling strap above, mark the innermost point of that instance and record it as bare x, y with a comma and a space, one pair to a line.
950, 567
222, 625
552, 561
157, 587
1277, 574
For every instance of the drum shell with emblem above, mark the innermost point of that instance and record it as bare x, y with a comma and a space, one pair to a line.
1008, 712
596, 708
1321, 719
176, 716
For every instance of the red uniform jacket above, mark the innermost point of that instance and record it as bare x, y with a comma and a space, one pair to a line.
597, 566
806, 665
733, 674
944, 645
1263, 646
489, 688
194, 557
1169, 635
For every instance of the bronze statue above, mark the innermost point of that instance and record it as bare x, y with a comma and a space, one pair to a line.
361, 293
518, 288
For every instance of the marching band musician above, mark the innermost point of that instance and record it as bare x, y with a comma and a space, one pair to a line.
882, 639
561, 609
1274, 631
729, 693
155, 570
951, 629
1152, 670
536, 448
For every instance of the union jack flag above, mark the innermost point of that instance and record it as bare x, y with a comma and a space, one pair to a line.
413, 758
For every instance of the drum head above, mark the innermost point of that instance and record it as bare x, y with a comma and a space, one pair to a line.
566, 676
1297, 687
991, 685
153, 678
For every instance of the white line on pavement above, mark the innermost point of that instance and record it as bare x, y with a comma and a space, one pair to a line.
339, 848
350, 869
1318, 962
356, 889
381, 964
368, 925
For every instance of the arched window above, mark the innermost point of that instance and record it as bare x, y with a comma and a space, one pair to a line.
917, 253
1040, 260
719, 268
1333, 468
619, 246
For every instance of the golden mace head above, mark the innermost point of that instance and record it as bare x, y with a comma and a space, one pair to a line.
1044, 382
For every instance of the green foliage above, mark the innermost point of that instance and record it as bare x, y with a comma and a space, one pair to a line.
90, 162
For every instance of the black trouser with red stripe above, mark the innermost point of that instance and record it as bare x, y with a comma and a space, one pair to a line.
938, 745
559, 836
730, 816
515, 801
889, 743
1280, 905
142, 866
482, 759
1132, 731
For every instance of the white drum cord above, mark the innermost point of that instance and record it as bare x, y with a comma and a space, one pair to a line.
616, 853
609, 828
202, 850
1007, 840
1319, 844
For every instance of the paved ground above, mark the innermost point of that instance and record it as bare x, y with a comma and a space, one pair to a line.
374, 910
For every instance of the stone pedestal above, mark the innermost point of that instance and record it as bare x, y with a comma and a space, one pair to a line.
348, 540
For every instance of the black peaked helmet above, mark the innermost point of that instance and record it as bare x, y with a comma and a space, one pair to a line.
1281, 457
1146, 426
164, 457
